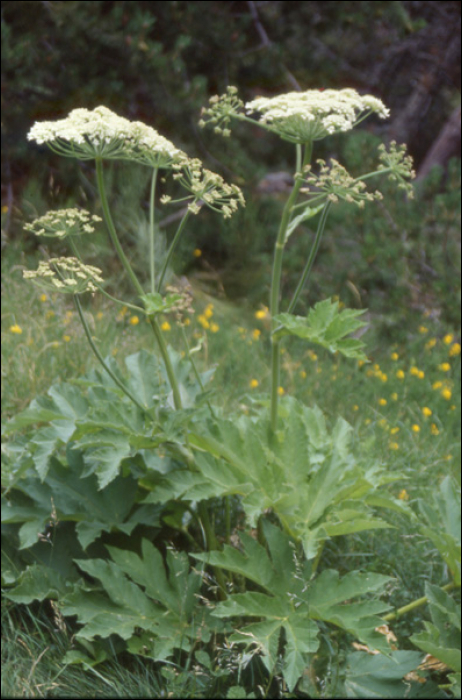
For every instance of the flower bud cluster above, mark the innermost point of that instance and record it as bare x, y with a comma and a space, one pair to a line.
399, 164
100, 133
184, 303
207, 188
222, 109
337, 183
300, 117
67, 275
63, 223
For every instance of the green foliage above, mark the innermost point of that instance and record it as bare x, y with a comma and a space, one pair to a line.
385, 677
307, 476
442, 636
326, 326
441, 524
291, 602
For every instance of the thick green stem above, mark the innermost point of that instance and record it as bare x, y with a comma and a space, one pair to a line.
415, 604
152, 250
212, 543
171, 250
101, 359
195, 370
168, 363
111, 228
276, 278
309, 263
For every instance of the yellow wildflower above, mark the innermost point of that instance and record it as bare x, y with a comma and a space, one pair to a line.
427, 411
165, 326
437, 385
262, 313
421, 374
197, 252
423, 329
394, 356
253, 383
446, 394
444, 366
134, 320
383, 402
394, 446
203, 321
416, 428
281, 390
414, 371
430, 343
43, 297
356, 407
403, 495
214, 327
256, 333
16, 329
448, 339
66, 338
208, 313
434, 429
454, 350
394, 430
400, 374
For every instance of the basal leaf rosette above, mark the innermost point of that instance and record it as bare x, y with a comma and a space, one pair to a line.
207, 188
301, 117
100, 133
67, 275
63, 223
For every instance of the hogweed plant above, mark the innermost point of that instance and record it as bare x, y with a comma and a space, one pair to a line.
119, 461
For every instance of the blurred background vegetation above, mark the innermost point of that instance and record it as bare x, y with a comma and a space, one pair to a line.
160, 62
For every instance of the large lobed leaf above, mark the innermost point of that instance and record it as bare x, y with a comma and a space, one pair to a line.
325, 325
140, 593
293, 602
441, 637
306, 474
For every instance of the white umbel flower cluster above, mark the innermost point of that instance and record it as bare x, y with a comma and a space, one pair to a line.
337, 183
100, 133
300, 117
207, 188
67, 275
63, 223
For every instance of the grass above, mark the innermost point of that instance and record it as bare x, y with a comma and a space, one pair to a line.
404, 406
